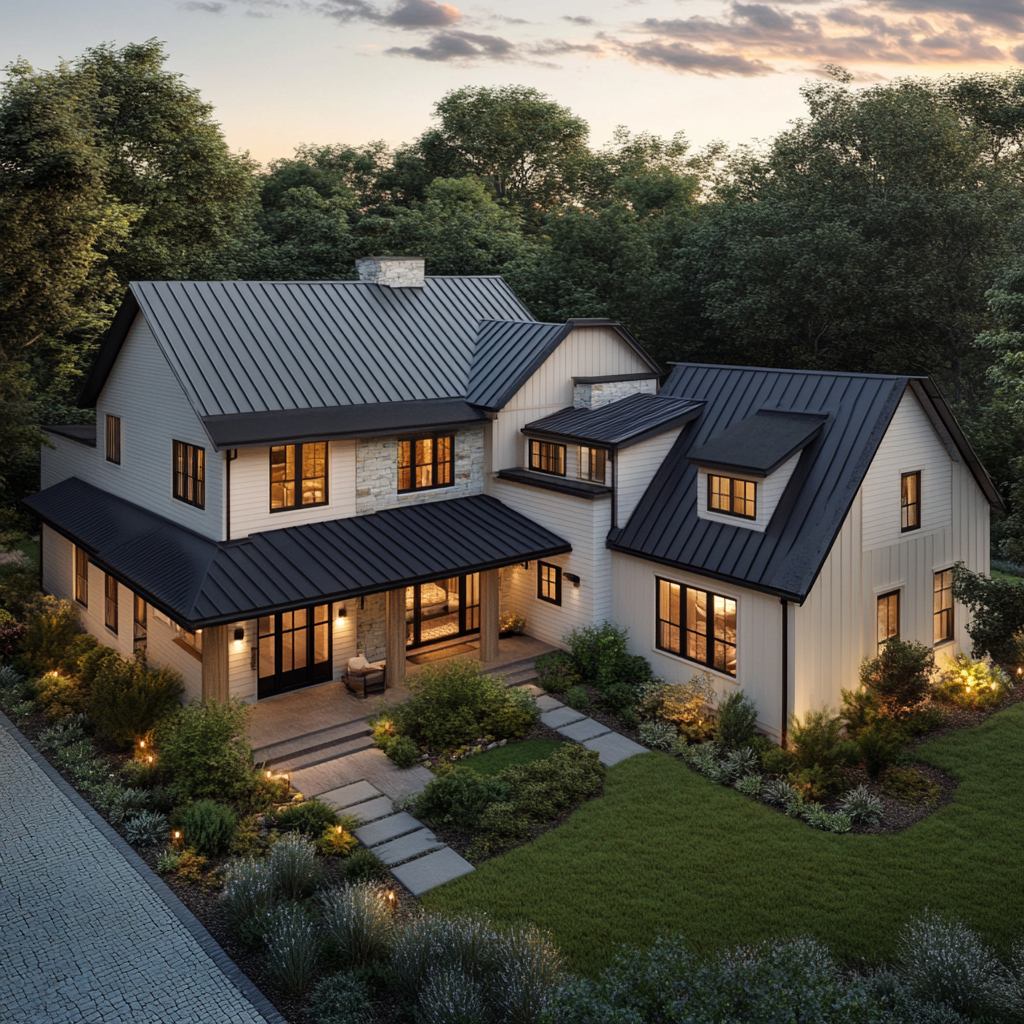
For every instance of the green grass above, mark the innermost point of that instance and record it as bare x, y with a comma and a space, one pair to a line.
666, 851
998, 574
512, 753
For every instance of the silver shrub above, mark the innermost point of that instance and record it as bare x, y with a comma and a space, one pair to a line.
63, 734
780, 793
340, 999
293, 941
294, 869
750, 785
657, 735
249, 898
145, 828
529, 972
453, 997
359, 920
862, 806
704, 758
817, 817
738, 763
9, 678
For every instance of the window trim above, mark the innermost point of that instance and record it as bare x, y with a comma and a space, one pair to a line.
299, 479
81, 560
110, 603
412, 442
195, 471
950, 611
557, 599
112, 439
733, 481
899, 614
907, 505
591, 450
537, 468
711, 639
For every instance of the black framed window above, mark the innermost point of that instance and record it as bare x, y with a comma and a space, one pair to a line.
113, 439
547, 457
888, 616
190, 639
426, 462
593, 462
697, 625
910, 501
298, 475
732, 497
81, 577
549, 582
942, 606
110, 603
189, 473
140, 622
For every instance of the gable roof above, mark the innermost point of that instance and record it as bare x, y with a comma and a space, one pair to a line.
760, 443
786, 558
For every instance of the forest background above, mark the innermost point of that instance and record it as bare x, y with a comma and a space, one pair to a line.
882, 232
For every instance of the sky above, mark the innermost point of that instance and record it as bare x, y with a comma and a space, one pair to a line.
285, 72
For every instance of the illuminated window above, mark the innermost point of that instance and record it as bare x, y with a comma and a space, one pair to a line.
189, 474
81, 577
110, 603
192, 641
549, 582
888, 616
910, 501
426, 462
113, 439
140, 622
942, 606
592, 464
698, 625
732, 497
547, 457
298, 475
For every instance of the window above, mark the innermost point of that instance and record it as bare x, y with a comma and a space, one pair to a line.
140, 630
426, 462
190, 474
731, 496
942, 606
192, 642
549, 582
910, 502
110, 602
547, 457
298, 475
592, 464
697, 625
888, 616
81, 577
113, 436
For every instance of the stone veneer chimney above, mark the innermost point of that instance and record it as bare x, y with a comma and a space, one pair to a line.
392, 271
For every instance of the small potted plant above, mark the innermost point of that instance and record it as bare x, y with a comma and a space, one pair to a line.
511, 624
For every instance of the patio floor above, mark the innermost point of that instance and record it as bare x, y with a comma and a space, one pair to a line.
314, 708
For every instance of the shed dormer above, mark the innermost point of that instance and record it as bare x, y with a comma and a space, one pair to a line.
742, 472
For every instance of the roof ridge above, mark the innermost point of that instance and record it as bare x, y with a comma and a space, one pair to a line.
809, 373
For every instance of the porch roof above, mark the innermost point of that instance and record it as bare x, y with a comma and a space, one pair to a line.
200, 582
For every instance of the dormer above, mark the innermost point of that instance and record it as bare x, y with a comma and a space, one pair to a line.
743, 471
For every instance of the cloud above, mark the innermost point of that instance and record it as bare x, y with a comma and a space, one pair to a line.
408, 14
458, 46
209, 7
579, 19
557, 47
1005, 14
682, 56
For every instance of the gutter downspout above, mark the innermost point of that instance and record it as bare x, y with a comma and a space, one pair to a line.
785, 672
615, 492
229, 456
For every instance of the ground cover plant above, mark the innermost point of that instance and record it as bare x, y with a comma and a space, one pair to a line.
492, 762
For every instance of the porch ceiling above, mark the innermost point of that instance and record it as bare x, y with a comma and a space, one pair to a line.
199, 582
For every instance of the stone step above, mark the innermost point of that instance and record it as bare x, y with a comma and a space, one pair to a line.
612, 748
372, 810
310, 743
413, 845
434, 869
521, 665
548, 703
560, 717
387, 829
329, 752
587, 729
353, 793
526, 675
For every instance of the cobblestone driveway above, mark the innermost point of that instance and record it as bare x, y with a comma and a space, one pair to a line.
84, 936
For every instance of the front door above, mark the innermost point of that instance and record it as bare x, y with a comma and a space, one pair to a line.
294, 650
444, 608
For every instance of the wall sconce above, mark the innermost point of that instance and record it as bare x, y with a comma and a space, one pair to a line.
340, 615
526, 566
239, 637
572, 578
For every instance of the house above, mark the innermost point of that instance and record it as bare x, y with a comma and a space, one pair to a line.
285, 475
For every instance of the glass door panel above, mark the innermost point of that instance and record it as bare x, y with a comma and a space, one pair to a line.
441, 609
294, 649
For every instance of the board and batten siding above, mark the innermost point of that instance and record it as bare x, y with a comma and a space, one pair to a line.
758, 634
768, 495
635, 471
585, 352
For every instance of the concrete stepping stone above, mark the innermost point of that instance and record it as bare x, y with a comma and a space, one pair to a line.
412, 845
613, 748
588, 729
346, 796
372, 810
561, 717
548, 703
387, 828
435, 869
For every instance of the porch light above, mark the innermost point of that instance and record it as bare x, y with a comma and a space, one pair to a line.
340, 615
572, 578
239, 637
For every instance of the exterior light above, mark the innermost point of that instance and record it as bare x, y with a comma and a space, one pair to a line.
392, 899
149, 759
340, 615
338, 829
572, 578
142, 744
268, 773
239, 634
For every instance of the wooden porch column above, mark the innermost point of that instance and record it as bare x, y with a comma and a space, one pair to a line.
394, 640
489, 615
215, 663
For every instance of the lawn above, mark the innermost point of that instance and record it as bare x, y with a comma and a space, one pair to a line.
493, 761
666, 851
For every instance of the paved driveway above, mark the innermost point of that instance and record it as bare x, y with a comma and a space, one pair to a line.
84, 934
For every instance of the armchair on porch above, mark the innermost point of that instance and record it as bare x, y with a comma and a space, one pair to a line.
364, 677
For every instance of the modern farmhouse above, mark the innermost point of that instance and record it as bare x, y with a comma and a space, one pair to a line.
285, 476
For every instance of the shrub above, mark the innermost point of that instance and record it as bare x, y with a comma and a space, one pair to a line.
777, 760
459, 797
86, 661
205, 750
295, 873
969, 683
248, 896
596, 652
308, 818
738, 763
816, 783
684, 704
403, 751
706, 759
340, 999
141, 774
516, 717
540, 789
577, 698
910, 785
248, 840
997, 612
12, 636
818, 739
359, 923
878, 746
780, 793
208, 827
658, 735
51, 627
555, 673
128, 700
169, 861
860, 709
899, 678
293, 941
145, 828
336, 841
750, 785
364, 866
737, 716
617, 698
61, 696
63, 734
861, 806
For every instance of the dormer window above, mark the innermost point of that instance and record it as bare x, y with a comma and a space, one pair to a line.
910, 502
732, 496
593, 462
547, 457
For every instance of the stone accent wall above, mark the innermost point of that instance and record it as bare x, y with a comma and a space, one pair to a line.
594, 396
377, 472
392, 271
371, 626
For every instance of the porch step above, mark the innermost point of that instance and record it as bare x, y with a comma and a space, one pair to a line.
348, 742
517, 672
310, 742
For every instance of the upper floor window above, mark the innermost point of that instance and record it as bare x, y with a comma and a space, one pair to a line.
942, 606
189, 474
910, 501
113, 439
593, 462
731, 496
110, 603
547, 457
549, 582
888, 617
425, 462
697, 625
81, 576
298, 475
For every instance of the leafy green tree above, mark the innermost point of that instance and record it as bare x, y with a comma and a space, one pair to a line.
332, 171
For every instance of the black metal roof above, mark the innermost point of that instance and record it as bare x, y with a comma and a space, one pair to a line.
83, 433
200, 582
786, 558
760, 443
618, 424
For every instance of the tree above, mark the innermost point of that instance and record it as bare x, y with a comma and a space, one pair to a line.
332, 171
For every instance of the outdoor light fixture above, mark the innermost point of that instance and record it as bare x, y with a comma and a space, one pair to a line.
239, 634
572, 578
340, 615
392, 899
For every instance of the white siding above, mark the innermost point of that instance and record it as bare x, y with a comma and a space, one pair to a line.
636, 468
768, 495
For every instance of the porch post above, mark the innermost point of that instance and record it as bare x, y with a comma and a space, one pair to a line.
215, 663
489, 615
394, 640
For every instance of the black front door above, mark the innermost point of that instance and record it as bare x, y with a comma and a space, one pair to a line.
294, 650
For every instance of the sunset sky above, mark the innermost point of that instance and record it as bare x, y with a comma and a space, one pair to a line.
282, 72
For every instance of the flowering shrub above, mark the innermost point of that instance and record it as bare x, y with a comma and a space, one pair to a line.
972, 683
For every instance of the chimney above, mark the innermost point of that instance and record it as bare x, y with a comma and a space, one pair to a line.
392, 271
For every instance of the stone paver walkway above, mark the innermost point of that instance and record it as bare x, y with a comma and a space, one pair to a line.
612, 747
84, 934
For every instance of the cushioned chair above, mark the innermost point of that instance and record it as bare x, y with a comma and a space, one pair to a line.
363, 677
